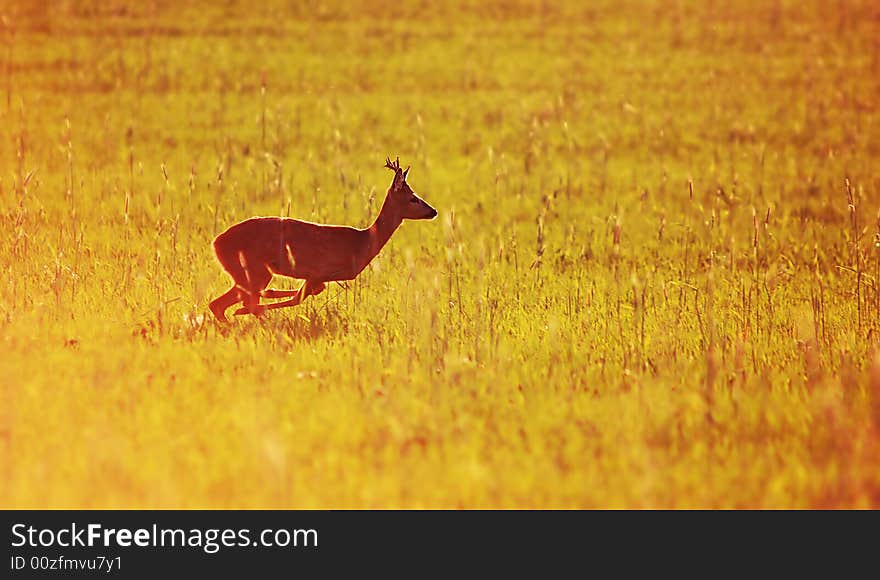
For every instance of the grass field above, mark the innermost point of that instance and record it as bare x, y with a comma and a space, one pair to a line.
654, 280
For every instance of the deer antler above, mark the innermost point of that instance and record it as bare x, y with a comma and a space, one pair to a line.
395, 167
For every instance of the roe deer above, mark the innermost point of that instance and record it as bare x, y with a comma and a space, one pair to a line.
253, 250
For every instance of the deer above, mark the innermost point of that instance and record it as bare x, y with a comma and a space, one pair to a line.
254, 250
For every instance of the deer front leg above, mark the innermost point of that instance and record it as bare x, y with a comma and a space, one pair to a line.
270, 293
306, 290
251, 304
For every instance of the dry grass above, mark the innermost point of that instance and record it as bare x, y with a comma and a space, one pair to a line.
654, 282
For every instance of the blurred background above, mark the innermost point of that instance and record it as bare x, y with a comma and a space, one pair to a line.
653, 281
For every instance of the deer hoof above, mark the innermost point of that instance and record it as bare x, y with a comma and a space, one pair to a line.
258, 311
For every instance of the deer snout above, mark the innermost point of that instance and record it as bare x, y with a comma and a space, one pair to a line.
430, 212
418, 209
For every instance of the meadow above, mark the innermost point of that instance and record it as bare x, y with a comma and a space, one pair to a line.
654, 280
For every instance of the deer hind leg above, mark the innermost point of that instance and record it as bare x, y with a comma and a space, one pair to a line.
250, 277
220, 305
256, 283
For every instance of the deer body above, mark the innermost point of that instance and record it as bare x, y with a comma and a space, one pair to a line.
254, 250
295, 248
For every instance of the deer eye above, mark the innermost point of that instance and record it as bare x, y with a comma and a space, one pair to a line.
414, 199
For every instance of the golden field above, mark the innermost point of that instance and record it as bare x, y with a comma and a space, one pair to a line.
654, 280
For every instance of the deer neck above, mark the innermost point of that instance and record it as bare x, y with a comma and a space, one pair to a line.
382, 229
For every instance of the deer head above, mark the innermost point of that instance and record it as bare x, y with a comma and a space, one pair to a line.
409, 205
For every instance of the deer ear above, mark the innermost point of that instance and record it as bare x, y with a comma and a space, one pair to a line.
405, 173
